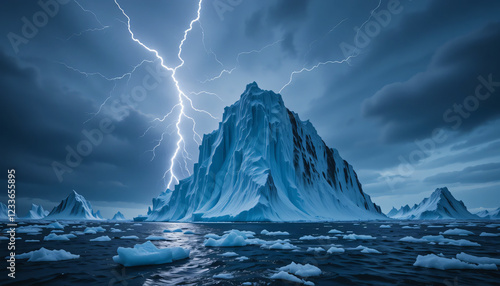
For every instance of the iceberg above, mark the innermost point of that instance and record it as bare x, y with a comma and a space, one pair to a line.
118, 216
265, 164
101, 238
36, 212
442, 263
148, 254
440, 205
44, 254
74, 207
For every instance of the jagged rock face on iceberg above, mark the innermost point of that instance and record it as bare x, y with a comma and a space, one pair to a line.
265, 164
440, 205
36, 212
75, 206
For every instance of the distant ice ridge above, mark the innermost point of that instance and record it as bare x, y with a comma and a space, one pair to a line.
36, 212
494, 214
265, 164
440, 205
75, 206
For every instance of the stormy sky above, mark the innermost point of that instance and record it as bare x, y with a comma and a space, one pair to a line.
407, 91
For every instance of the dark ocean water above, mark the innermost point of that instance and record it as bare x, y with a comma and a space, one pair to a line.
394, 266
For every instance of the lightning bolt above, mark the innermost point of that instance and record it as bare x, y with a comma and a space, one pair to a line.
182, 97
345, 60
224, 71
103, 27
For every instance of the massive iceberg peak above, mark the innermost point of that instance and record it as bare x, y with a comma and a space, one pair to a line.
264, 164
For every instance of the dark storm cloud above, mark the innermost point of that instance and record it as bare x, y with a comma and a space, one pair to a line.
444, 96
474, 174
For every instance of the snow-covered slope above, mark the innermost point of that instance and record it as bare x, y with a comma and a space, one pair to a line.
265, 164
36, 212
118, 216
75, 206
494, 214
440, 205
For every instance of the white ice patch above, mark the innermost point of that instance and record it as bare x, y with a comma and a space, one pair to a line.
223, 276
101, 238
315, 249
457, 231
353, 236
148, 254
442, 263
301, 270
265, 232
478, 260
334, 249
129, 237
229, 254
282, 275
335, 231
489, 234
62, 237
311, 237
441, 240
365, 249
385, 226
44, 254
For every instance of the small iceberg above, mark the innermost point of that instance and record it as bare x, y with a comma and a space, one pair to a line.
148, 254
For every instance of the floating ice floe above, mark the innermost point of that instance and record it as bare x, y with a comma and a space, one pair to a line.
155, 237
457, 231
335, 249
227, 240
55, 225
129, 237
279, 246
44, 254
489, 234
435, 226
443, 263
365, 249
177, 230
478, 260
57, 231
440, 240
62, 237
137, 224
315, 249
411, 227
301, 270
385, 226
101, 238
282, 275
335, 231
311, 237
32, 240
115, 230
229, 254
242, 258
29, 229
353, 236
94, 230
493, 225
148, 254
265, 232
188, 232
223, 276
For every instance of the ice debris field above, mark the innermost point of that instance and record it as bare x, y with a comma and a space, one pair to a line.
298, 253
